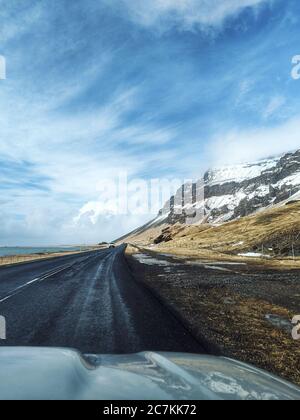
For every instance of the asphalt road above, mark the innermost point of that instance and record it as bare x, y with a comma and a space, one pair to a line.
89, 302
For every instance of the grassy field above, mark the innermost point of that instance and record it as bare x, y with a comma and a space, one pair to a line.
273, 233
18, 259
226, 299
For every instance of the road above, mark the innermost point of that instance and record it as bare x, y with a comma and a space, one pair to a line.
89, 302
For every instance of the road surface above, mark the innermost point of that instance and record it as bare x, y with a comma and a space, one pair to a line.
89, 302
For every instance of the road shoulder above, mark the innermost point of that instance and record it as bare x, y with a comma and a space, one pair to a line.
12, 260
238, 311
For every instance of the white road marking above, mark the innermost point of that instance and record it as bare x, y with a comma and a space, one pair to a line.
39, 279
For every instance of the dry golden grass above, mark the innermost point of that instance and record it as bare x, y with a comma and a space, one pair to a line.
144, 238
132, 250
18, 259
277, 228
272, 225
240, 329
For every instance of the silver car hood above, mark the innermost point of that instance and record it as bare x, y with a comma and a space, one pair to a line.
61, 374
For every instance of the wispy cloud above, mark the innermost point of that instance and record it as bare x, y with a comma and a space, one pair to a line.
17, 19
250, 145
92, 91
275, 104
187, 14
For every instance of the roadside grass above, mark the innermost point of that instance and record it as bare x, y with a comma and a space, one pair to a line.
19, 259
238, 327
230, 320
274, 233
269, 229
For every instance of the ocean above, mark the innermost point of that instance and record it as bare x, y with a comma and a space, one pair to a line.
8, 251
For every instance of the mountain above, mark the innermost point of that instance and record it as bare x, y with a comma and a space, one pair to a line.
271, 232
228, 193
237, 191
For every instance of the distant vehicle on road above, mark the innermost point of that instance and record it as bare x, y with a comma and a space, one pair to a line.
111, 246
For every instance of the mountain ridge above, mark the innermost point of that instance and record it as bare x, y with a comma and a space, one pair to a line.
229, 193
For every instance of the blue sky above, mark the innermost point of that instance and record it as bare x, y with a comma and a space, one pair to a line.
160, 88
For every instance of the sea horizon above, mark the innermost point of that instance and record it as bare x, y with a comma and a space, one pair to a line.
6, 251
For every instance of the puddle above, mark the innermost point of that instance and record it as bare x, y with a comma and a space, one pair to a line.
146, 259
210, 266
213, 267
229, 301
217, 263
254, 255
228, 263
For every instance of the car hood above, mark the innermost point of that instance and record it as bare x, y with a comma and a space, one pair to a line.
62, 374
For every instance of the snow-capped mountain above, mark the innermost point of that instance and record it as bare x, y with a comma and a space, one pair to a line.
232, 192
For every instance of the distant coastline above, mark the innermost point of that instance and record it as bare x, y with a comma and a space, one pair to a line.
15, 251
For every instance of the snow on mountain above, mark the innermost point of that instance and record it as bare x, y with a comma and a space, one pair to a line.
232, 192
239, 173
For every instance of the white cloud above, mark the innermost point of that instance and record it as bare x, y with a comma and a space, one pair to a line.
10, 29
73, 153
274, 105
186, 13
244, 88
247, 146
70, 151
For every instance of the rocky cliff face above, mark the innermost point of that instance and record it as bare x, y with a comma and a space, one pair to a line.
229, 193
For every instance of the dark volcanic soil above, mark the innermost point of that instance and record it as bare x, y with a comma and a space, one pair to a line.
236, 310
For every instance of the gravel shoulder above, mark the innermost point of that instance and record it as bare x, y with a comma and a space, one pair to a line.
234, 309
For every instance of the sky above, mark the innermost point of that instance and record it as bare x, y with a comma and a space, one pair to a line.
153, 89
